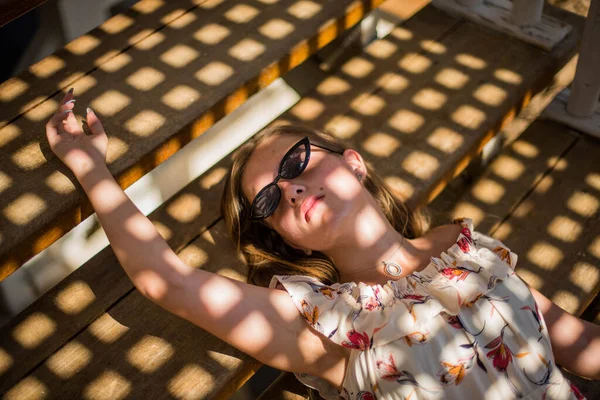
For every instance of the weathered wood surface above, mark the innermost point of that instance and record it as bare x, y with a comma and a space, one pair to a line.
154, 98
498, 15
93, 288
139, 27
421, 103
137, 348
429, 28
557, 111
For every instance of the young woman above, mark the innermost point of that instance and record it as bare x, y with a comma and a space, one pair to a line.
349, 291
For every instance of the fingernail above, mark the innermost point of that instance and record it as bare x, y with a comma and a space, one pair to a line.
70, 101
70, 90
67, 111
89, 110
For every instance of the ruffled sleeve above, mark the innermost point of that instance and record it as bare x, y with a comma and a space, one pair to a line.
483, 241
361, 316
468, 270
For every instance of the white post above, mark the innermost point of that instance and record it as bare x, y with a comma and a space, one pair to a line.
469, 3
586, 85
526, 12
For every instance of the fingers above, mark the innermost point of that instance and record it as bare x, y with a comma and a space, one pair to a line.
62, 113
67, 103
93, 122
64, 120
68, 96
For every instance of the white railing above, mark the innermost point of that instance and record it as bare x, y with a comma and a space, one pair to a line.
521, 18
578, 107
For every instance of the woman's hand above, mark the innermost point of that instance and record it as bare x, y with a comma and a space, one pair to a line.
78, 151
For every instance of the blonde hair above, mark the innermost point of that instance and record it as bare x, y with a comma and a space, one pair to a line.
265, 251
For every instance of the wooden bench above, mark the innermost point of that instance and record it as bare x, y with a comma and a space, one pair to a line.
419, 104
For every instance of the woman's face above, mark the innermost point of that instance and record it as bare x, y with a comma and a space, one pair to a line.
314, 207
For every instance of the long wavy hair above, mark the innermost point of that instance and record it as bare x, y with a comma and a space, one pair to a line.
264, 250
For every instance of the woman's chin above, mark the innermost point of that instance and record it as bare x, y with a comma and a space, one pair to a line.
327, 223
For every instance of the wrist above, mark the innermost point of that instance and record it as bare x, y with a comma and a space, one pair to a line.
89, 174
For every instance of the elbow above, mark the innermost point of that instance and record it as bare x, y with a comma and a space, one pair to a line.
152, 285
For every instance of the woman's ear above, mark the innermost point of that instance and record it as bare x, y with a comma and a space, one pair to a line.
355, 162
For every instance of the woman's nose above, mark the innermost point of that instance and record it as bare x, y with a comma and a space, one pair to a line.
293, 192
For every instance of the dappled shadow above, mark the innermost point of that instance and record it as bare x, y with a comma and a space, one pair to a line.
83, 296
541, 197
157, 87
414, 104
136, 342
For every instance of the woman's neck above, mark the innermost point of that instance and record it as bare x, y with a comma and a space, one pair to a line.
413, 255
378, 241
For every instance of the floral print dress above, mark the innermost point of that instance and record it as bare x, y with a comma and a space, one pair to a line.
465, 327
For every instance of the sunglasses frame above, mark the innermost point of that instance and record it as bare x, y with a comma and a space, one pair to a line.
307, 143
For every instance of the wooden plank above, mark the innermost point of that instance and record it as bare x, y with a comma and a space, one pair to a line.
556, 238
139, 349
403, 9
100, 282
430, 103
61, 70
190, 95
506, 181
557, 111
496, 14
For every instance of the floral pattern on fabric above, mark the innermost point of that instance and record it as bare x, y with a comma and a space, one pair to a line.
463, 327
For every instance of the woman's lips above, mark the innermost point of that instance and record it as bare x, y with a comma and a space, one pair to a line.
309, 205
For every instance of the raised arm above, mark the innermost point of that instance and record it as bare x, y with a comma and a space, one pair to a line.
261, 322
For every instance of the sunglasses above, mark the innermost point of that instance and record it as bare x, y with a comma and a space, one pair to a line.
292, 164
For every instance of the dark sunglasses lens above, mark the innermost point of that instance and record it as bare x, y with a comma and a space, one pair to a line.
294, 162
266, 202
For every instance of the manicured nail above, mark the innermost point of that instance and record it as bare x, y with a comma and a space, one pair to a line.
67, 111
70, 90
70, 101
89, 110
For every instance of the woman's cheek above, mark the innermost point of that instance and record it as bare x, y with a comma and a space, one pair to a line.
344, 188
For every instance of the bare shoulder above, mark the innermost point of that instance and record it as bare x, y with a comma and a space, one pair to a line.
443, 233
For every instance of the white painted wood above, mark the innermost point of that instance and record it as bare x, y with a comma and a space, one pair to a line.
496, 14
557, 111
586, 86
527, 12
